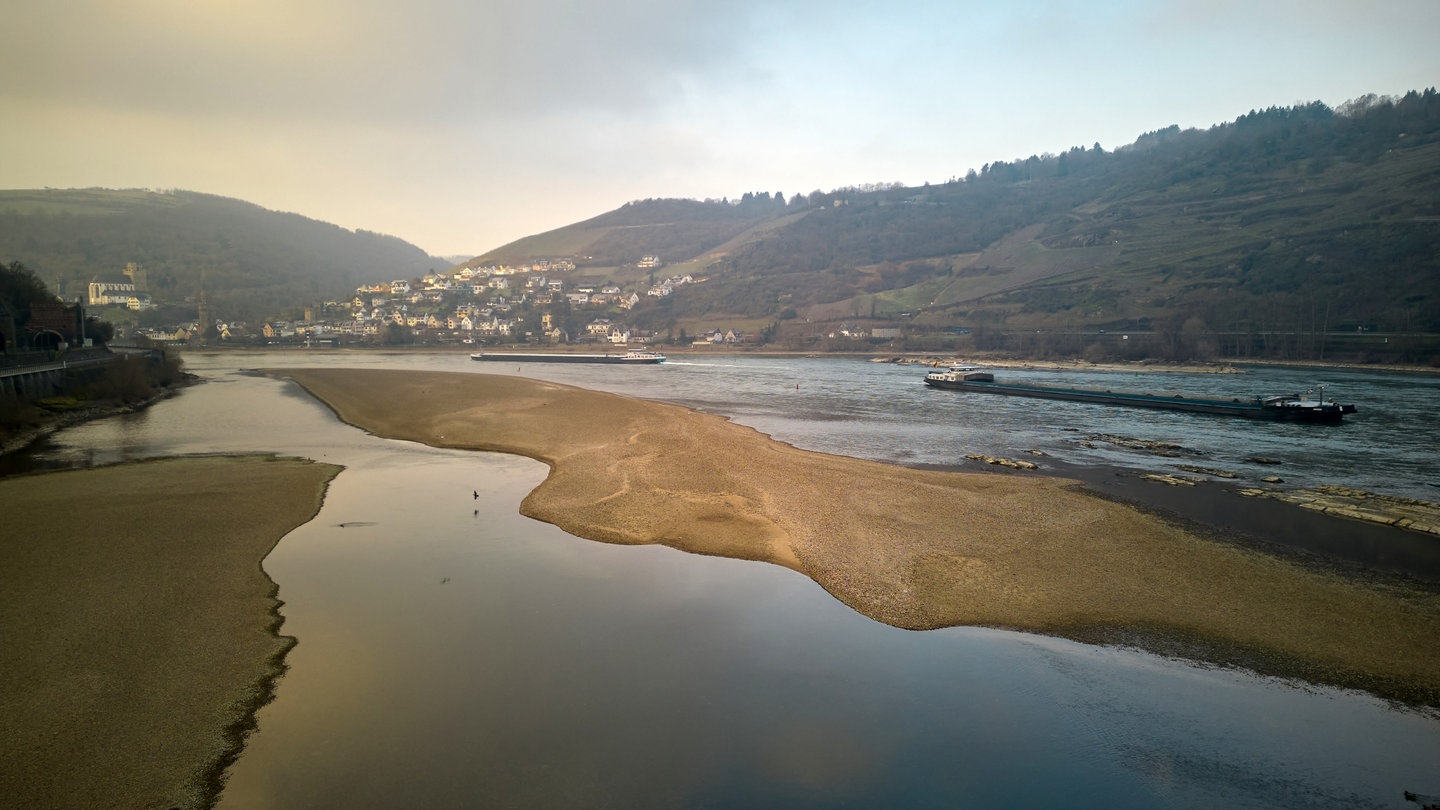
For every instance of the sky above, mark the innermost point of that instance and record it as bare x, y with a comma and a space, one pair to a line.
462, 125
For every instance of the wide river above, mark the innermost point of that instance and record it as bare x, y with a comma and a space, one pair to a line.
455, 654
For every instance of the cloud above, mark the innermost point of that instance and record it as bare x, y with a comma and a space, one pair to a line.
437, 60
454, 122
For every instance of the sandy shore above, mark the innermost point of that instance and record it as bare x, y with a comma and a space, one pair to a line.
139, 629
912, 548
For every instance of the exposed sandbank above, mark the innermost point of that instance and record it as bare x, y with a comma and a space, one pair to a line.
912, 548
139, 629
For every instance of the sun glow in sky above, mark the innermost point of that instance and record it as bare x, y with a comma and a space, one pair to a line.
461, 126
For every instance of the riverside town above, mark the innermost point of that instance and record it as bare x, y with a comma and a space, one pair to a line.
533, 303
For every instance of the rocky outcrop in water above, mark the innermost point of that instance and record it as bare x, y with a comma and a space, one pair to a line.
1152, 446
1357, 504
1003, 462
1210, 471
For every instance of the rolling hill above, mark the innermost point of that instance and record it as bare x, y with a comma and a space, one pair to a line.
1300, 232
1252, 236
252, 262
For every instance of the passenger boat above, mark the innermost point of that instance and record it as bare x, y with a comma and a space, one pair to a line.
634, 357
1284, 407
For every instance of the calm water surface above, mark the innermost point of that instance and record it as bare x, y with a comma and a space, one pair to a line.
884, 411
455, 654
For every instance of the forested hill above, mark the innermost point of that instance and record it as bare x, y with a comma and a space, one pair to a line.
254, 263
1285, 218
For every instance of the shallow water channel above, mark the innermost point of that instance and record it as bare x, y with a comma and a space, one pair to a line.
455, 654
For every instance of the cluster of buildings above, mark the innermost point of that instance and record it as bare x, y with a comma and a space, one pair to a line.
491, 301
468, 305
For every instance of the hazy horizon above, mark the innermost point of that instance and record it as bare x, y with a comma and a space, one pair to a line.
461, 128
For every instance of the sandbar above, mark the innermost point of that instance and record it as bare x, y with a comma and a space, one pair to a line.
912, 548
140, 632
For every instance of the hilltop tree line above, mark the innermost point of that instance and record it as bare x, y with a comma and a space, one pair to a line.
1252, 237
1242, 237
21, 292
19, 288
252, 262
1282, 217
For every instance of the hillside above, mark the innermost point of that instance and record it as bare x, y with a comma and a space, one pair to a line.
1303, 233
253, 263
1250, 237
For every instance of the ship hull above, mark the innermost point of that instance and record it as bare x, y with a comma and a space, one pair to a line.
610, 359
1327, 412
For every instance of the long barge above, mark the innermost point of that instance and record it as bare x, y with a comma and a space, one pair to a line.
633, 357
1284, 407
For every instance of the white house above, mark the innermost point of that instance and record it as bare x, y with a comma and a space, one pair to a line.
716, 336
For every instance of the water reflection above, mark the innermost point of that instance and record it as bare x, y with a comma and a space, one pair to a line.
449, 658
455, 654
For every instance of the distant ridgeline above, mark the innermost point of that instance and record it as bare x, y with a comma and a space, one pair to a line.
252, 262
1301, 233
1296, 232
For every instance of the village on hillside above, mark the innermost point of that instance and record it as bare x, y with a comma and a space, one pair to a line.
534, 303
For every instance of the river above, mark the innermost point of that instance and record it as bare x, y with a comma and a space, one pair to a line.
455, 654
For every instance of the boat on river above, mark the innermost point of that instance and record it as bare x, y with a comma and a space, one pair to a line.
1283, 407
634, 357
970, 373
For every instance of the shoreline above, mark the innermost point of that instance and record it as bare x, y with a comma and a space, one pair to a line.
52, 422
1229, 512
142, 632
1235, 364
910, 547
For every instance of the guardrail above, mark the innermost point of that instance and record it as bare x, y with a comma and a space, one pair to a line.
72, 358
53, 363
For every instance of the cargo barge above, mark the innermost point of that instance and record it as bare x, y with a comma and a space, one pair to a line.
1283, 407
634, 357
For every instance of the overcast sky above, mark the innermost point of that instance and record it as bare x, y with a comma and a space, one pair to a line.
461, 125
